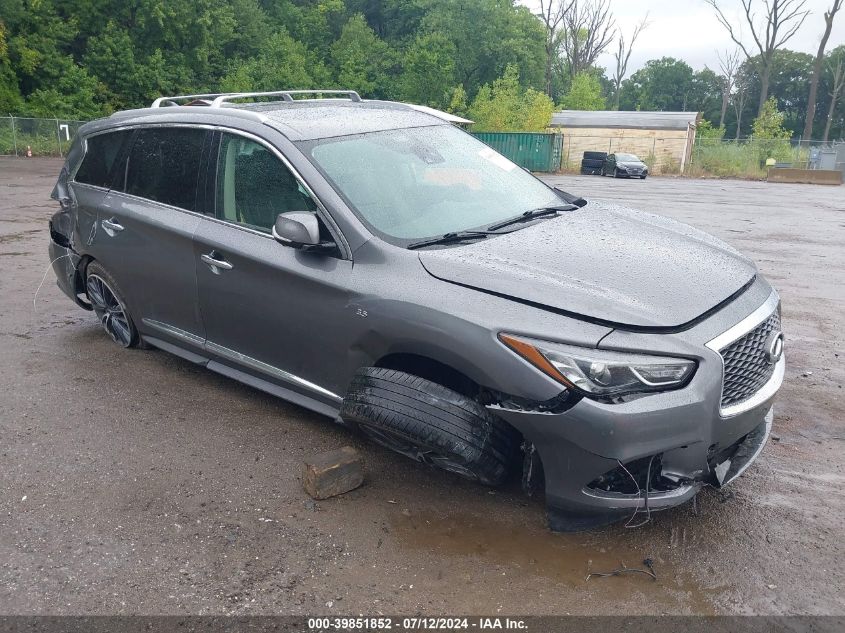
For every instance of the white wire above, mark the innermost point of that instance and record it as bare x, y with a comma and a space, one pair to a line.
49, 266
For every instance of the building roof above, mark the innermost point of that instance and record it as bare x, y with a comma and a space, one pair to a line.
623, 119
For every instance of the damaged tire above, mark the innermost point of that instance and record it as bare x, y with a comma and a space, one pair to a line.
109, 306
431, 424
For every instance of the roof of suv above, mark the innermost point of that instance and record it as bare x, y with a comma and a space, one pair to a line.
306, 119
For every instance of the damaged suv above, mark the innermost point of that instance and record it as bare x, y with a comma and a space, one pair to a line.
374, 263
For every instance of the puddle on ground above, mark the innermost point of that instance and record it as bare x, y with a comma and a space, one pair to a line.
532, 550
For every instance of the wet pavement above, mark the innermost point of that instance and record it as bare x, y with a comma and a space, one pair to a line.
136, 482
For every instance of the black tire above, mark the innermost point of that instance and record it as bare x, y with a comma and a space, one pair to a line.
107, 300
616, 174
429, 423
643, 177
590, 171
592, 162
595, 155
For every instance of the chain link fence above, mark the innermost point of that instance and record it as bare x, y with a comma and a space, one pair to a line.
663, 153
20, 136
751, 158
705, 157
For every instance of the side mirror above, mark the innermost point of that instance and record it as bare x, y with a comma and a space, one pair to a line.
300, 229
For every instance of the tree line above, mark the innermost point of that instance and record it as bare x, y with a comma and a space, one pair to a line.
493, 60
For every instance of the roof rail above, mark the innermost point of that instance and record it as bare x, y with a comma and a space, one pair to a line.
286, 95
171, 101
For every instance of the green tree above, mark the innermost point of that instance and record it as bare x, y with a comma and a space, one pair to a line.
770, 136
10, 96
74, 95
789, 76
489, 35
123, 54
362, 60
505, 107
705, 95
111, 55
769, 124
585, 93
428, 70
832, 87
283, 64
662, 84
705, 129
458, 102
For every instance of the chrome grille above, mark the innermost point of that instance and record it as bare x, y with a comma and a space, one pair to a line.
747, 368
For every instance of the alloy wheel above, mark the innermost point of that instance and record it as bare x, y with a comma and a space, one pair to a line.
109, 310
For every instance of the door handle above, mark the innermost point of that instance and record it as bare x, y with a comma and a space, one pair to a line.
216, 265
111, 227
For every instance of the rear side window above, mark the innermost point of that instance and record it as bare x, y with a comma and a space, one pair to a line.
164, 165
101, 154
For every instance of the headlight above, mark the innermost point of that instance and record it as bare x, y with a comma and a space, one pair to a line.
600, 373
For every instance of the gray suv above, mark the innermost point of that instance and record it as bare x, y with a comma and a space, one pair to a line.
374, 263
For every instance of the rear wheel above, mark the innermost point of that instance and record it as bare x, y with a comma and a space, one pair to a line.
431, 424
109, 306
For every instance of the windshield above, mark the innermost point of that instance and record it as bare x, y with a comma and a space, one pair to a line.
629, 158
424, 182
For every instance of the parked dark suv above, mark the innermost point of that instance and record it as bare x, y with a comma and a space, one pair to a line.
374, 263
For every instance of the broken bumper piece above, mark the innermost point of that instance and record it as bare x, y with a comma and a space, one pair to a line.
65, 262
671, 453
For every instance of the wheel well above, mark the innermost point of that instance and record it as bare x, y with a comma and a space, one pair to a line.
80, 272
432, 370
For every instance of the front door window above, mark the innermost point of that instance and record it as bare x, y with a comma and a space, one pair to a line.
254, 186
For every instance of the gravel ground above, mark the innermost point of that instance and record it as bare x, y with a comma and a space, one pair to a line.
135, 482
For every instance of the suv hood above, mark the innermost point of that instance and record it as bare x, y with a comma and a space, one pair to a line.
604, 262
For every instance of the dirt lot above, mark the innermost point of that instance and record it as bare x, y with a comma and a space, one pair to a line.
135, 482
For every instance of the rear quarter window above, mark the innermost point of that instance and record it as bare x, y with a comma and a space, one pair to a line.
100, 161
164, 165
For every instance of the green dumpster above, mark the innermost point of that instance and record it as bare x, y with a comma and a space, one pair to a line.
535, 152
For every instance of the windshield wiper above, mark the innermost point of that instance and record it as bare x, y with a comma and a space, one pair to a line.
530, 215
449, 238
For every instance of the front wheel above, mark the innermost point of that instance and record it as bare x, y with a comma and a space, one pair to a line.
109, 306
431, 424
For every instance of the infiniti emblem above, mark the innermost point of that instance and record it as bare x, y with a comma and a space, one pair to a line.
774, 347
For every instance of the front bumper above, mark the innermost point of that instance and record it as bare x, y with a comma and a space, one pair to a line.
632, 172
681, 433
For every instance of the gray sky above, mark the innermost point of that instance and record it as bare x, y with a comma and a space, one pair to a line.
688, 30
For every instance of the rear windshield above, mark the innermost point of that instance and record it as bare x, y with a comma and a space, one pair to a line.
424, 182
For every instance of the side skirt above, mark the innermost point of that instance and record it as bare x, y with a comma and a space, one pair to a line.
274, 389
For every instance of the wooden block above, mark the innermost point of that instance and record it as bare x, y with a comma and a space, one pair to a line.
333, 473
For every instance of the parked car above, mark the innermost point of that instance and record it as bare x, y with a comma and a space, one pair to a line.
380, 266
624, 166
